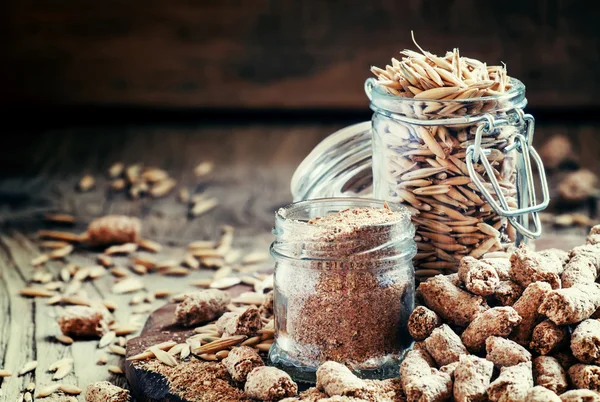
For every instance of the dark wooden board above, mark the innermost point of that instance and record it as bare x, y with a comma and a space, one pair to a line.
282, 54
148, 386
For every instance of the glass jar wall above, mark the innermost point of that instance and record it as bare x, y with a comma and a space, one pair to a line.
343, 292
421, 152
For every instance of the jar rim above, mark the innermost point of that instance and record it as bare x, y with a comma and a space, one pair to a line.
342, 203
376, 91
405, 256
298, 240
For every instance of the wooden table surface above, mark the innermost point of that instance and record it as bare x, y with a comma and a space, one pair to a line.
254, 164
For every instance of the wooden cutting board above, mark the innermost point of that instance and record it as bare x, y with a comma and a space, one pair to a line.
148, 386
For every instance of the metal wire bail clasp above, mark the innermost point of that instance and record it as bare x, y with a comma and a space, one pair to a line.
527, 199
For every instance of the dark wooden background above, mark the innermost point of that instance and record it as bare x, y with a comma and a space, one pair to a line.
283, 63
281, 54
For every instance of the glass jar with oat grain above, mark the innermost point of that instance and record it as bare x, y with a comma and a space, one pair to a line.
463, 166
344, 286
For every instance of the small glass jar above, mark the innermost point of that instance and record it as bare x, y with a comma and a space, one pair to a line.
463, 167
344, 295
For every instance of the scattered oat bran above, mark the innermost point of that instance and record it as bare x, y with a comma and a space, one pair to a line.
197, 381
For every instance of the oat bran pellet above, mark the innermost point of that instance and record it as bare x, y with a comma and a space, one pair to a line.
104, 391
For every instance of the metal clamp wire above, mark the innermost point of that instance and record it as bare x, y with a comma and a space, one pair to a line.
486, 124
487, 127
503, 209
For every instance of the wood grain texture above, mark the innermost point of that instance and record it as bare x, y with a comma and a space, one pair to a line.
282, 54
254, 164
251, 180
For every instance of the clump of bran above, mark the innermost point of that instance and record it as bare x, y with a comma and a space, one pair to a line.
197, 381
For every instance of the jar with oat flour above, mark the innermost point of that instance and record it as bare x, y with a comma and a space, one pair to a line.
462, 166
344, 286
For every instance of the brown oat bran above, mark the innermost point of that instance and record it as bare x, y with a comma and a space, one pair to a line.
548, 373
113, 229
422, 322
548, 337
198, 381
82, 321
347, 305
504, 352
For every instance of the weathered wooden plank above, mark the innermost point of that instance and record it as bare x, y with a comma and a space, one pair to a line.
285, 54
4, 318
21, 345
43, 327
